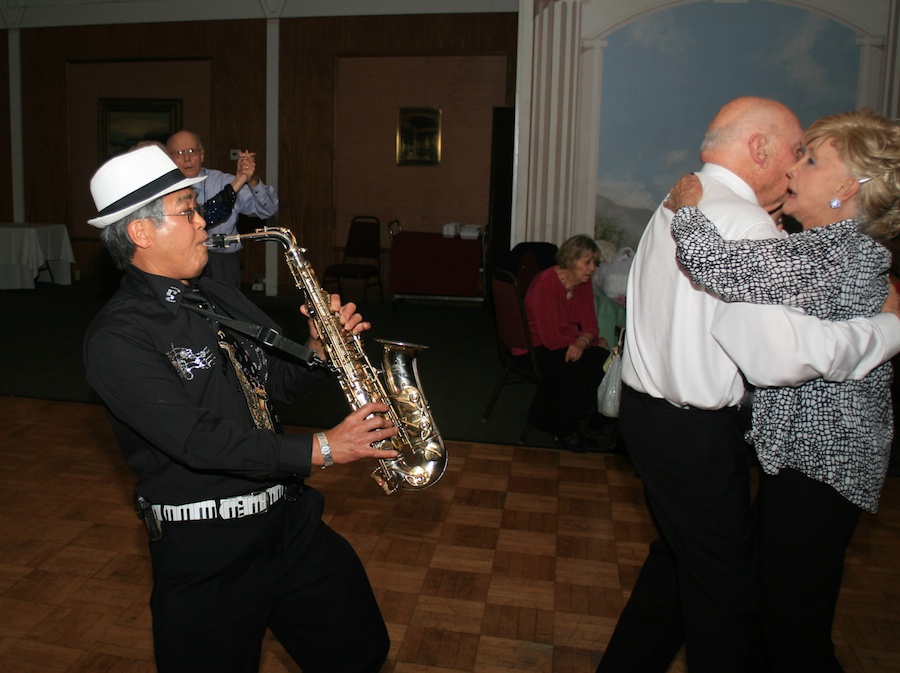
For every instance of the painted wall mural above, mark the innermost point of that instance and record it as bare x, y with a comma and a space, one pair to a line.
665, 75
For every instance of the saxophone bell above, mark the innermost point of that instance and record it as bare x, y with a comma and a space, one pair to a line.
421, 458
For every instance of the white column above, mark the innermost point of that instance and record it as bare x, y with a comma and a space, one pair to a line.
551, 163
13, 18
274, 251
869, 89
521, 141
588, 135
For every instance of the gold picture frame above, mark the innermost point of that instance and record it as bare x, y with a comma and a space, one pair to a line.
419, 136
124, 122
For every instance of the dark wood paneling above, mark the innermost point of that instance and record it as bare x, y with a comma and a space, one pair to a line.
237, 51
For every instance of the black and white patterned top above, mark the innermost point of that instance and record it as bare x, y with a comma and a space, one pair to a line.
837, 433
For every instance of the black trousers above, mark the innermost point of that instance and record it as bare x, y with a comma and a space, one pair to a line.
697, 586
219, 584
567, 391
805, 529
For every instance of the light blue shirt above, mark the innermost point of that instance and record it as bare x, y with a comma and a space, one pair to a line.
260, 201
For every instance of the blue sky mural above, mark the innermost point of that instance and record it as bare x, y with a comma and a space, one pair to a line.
665, 75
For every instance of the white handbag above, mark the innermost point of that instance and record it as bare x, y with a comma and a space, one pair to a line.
609, 392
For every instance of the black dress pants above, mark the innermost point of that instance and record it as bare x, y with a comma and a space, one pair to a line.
567, 391
805, 529
219, 584
697, 586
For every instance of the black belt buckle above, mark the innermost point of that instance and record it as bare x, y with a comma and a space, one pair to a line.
293, 490
144, 511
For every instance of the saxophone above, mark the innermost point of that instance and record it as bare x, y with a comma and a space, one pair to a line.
421, 458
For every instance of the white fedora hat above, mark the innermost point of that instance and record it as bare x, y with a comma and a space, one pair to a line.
130, 181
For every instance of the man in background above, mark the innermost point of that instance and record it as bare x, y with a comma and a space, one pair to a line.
251, 197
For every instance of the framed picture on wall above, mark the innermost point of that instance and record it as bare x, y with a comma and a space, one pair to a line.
419, 136
124, 122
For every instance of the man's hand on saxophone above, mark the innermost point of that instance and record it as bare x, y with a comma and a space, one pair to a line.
353, 437
350, 320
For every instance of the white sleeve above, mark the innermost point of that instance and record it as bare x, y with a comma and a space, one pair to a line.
782, 346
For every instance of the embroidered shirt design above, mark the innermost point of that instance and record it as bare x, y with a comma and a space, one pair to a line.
186, 361
172, 293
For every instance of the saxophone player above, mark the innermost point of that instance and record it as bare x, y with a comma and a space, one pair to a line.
237, 540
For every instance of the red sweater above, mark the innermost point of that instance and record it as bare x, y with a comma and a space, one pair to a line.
554, 321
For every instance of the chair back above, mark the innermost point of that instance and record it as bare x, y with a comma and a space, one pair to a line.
509, 311
529, 267
364, 239
529, 258
512, 332
362, 257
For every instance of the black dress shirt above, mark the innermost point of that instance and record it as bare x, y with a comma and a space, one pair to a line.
174, 401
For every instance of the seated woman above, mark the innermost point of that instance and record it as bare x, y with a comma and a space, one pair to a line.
570, 355
823, 446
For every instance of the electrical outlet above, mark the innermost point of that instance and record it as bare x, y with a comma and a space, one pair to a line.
235, 155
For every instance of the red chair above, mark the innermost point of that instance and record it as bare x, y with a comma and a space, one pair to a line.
362, 257
528, 259
512, 332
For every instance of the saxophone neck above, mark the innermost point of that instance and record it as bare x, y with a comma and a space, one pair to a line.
279, 234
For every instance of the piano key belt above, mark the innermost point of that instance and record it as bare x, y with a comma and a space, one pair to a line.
226, 508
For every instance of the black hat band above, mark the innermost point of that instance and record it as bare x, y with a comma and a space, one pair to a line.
148, 191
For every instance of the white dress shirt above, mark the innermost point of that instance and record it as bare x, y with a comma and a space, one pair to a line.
669, 350
780, 346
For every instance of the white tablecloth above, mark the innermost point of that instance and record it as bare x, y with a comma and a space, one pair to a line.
34, 251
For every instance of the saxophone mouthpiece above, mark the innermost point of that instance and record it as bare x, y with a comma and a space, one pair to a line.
216, 241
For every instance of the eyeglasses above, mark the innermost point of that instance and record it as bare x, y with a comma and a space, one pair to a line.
189, 213
189, 152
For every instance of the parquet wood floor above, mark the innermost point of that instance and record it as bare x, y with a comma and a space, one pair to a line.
519, 559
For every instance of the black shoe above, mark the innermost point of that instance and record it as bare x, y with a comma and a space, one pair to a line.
591, 438
571, 442
594, 440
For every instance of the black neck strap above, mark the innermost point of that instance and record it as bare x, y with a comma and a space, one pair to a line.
265, 335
